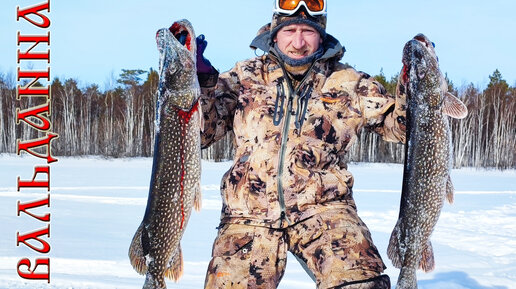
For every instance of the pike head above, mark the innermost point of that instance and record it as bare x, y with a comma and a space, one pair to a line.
178, 83
422, 81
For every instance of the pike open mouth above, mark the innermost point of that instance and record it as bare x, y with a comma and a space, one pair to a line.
421, 38
182, 34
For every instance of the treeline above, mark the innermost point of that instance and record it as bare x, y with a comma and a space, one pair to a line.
119, 122
116, 123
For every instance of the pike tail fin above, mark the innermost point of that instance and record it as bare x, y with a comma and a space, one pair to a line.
175, 267
393, 250
427, 262
449, 190
136, 251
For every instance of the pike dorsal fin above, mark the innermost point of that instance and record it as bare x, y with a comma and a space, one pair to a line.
454, 107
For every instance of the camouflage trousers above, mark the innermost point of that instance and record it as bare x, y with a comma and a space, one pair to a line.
334, 247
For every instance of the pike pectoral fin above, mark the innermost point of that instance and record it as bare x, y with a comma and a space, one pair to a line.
449, 190
427, 262
393, 251
136, 251
454, 107
175, 267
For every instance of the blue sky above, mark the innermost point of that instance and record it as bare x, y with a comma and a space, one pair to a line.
92, 40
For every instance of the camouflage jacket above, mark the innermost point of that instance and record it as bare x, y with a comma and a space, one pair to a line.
288, 171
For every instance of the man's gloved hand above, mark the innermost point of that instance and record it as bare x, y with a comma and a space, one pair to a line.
203, 64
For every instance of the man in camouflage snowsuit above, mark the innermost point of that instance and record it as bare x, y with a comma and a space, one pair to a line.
289, 188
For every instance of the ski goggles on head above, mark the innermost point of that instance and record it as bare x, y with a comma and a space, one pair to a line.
289, 7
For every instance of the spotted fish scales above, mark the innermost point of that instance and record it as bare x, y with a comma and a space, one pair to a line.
428, 159
175, 181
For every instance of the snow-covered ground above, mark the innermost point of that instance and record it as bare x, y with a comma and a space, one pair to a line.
97, 204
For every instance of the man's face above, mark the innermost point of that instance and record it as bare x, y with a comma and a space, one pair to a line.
298, 40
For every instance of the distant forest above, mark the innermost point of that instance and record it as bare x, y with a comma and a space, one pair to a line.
119, 122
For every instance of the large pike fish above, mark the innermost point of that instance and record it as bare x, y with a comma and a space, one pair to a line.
428, 159
176, 170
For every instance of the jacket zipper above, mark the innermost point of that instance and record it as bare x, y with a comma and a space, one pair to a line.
284, 138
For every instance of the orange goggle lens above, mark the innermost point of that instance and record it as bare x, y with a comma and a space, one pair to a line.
312, 5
